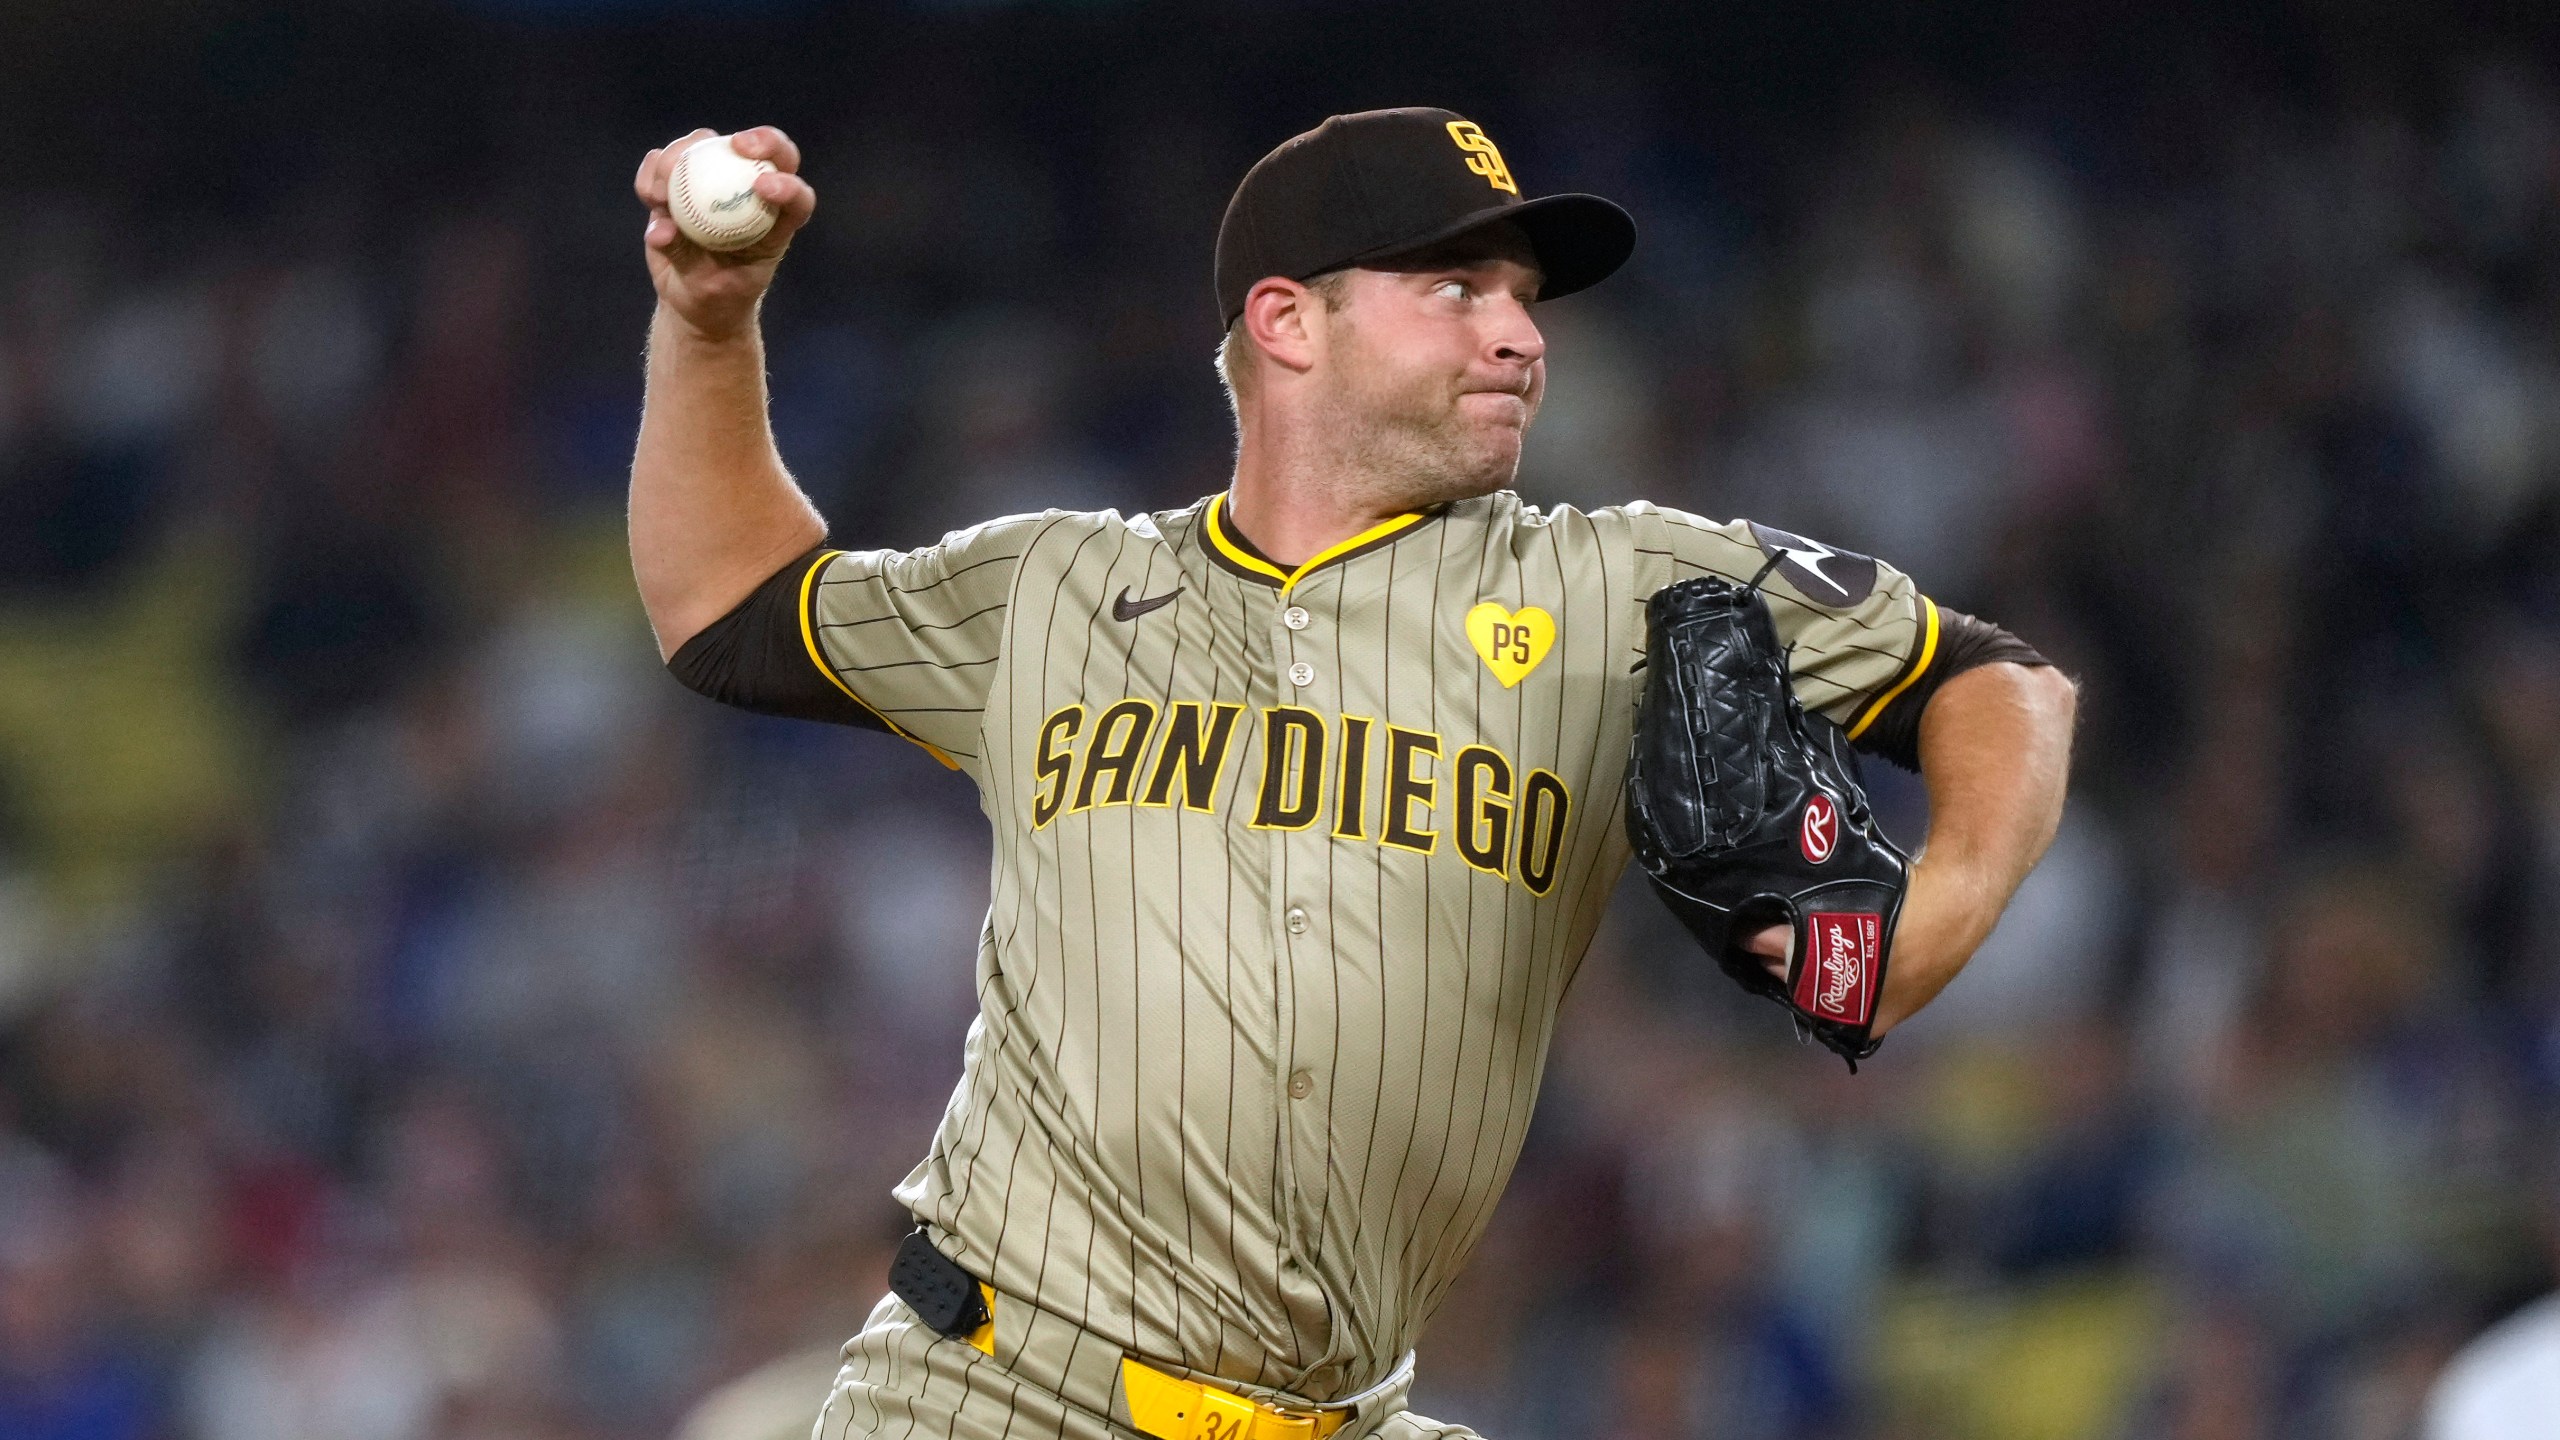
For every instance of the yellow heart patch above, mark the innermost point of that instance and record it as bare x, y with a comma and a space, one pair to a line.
1512, 645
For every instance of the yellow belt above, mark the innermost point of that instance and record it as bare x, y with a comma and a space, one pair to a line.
1171, 1409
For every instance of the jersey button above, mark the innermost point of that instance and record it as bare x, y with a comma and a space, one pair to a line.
1295, 617
1301, 1085
1297, 920
1302, 673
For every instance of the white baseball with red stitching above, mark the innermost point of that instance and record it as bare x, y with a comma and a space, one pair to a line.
713, 198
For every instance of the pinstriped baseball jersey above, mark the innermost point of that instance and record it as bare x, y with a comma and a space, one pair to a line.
1292, 868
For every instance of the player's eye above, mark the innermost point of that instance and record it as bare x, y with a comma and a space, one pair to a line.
1453, 289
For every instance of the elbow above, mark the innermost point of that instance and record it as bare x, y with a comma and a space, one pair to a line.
676, 627
678, 615
2049, 702
2056, 710
2048, 699
2057, 694
2043, 706
683, 608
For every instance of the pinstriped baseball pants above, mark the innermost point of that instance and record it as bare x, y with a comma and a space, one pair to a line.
902, 1381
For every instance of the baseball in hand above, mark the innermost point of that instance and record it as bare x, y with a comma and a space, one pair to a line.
713, 198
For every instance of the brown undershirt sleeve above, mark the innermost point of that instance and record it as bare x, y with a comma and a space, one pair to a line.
756, 657
1963, 644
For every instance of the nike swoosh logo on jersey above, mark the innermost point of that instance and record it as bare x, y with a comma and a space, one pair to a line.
1125, 608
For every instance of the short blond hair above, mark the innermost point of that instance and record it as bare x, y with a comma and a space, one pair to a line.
1233, 376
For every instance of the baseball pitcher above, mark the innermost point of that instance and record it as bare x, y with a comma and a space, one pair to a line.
1307, 797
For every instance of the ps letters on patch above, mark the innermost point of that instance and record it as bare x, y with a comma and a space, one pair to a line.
1401, 788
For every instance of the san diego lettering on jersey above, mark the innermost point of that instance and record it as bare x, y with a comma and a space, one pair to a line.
1364, 780
1291, 873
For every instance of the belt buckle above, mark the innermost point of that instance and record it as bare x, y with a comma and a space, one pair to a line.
1281, 1423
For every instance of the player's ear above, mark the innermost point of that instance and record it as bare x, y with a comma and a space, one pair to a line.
1281, 316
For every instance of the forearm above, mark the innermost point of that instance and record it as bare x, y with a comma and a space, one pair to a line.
1995, 753
713, 511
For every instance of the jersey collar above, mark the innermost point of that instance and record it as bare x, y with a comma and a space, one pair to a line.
1233, 552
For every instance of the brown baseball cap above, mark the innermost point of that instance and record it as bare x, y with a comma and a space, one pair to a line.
1368, 186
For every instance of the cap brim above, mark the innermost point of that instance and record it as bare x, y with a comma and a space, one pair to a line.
1580, 240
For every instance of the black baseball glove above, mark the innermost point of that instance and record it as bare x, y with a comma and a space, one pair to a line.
1746, 812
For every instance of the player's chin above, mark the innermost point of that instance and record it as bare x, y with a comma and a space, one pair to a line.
1498, 440
1489, 461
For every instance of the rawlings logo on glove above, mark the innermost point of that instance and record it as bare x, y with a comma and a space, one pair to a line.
1746, 812
1840, 983
1821, 828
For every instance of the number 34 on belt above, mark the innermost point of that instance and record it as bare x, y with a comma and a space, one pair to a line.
1171, 1409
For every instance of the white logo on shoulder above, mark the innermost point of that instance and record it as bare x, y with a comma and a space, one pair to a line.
1825, 574
1810, 554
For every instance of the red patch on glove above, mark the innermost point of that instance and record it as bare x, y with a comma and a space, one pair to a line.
1837, 980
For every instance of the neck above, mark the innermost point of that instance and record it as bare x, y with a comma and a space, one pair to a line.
1293, 500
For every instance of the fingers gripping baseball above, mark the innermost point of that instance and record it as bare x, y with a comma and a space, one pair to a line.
715, 291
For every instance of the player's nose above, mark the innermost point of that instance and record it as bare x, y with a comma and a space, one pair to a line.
1516, 339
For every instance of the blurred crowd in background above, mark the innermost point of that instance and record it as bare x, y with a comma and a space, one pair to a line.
422, 1020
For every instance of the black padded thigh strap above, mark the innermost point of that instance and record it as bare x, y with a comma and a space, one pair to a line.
1964, 643
757, 657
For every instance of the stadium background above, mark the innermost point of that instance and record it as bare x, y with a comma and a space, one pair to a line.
421, 1020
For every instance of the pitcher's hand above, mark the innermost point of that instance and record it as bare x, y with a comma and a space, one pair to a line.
715, 292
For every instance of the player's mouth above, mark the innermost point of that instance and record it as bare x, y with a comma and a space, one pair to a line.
1509, 407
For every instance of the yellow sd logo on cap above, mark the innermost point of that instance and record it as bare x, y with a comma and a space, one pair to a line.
1482, 157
